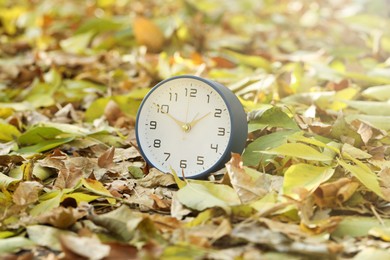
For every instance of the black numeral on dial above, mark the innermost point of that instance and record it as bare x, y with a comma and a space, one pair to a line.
157, 143
183, 164
163, 109
192, 92
200, 160
218, 112
152, 125
173, 96
214, 147
221, 131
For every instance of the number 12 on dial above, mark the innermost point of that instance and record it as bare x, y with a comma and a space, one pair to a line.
191, 125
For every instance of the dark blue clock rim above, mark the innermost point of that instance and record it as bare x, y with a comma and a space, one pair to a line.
239, 125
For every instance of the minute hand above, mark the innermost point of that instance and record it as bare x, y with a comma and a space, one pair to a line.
195, 121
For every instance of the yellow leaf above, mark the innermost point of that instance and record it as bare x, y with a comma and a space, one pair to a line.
148, 33
305, 176
300, 151
98, 188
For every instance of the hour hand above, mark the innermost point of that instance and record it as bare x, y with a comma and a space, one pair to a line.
184, 126
177, 121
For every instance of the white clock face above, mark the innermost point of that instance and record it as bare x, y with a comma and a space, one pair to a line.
184, 124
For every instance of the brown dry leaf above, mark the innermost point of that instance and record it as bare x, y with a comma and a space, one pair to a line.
27, 192
384, 182
68, 177
106, 159
122, 251
165, 223
365, 131
112, 112
61, 217
148, 33
247, 187
335, 193
88, 247
156, 178
160, 203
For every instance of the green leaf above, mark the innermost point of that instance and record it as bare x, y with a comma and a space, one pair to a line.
46, 205
183, 252
305, 176
38, 134
47, 236
45, 145
8, 132
380, 122
299, 137
348, 226
271, 117
200, 196
15, 244
77, 44
98, 25
252, 155
5, 180
248, 60
370, 107
341, 129
128, 104
116, 221
300, 151
363, 174
380, 93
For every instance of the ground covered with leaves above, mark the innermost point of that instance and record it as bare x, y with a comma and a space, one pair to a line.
313, 181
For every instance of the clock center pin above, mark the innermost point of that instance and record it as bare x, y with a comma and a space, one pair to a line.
186, 127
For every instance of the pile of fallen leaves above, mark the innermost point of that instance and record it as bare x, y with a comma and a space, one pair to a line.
313, 181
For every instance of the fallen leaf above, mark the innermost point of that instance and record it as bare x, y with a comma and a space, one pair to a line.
98, 188
88, 247
364, 174
384, 182
26, 193
299, 150
348, 226
247, 187
156, 178
47, 236
148, 33
334, 193
61, 217
106, 159
200, 196
15, 244
305, 176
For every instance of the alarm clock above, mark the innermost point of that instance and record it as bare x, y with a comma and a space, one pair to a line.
191, 125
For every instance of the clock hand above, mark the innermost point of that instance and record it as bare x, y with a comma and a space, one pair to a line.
195, 121
184, 126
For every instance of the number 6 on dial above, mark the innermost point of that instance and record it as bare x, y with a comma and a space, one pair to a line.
190, 124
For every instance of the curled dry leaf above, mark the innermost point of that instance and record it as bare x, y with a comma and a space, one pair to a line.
335, 193
248, 188
61, 217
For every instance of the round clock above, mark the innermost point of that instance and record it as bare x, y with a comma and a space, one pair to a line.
191, 125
